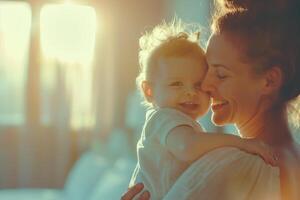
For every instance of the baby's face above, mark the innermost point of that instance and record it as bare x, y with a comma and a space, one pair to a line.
178, 85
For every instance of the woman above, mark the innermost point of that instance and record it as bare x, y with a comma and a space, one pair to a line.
253, 78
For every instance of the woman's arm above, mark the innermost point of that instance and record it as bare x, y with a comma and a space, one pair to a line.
188, 145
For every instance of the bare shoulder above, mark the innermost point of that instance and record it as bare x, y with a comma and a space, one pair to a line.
290, 171
291, 155
289, 159
297, 151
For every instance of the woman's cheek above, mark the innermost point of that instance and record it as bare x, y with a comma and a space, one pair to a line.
225, 89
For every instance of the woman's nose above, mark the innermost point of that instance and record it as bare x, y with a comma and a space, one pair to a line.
207, 84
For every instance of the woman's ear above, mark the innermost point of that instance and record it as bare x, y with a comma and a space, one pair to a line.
273, 79
147, 90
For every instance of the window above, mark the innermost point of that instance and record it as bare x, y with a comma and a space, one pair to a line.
67, 42
15, 25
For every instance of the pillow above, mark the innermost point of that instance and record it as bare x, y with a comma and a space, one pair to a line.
31, 194
84, 175
115, 181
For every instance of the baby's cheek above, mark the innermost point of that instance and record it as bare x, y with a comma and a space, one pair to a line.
205, 101
206, 98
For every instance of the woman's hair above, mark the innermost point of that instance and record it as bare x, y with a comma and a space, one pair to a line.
270, 35
174, 39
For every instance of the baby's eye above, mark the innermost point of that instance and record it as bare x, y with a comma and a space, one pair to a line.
176, 83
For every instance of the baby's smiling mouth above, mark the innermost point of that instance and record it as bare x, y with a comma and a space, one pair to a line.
189, 105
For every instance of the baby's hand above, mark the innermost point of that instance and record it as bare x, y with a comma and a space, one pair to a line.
258, 147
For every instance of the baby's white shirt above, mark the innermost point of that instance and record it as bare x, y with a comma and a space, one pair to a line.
158, 168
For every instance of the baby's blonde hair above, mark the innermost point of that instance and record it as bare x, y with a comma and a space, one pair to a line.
166, 40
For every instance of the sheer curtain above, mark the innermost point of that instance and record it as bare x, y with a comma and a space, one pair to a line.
47, 109
15, 25
64, 82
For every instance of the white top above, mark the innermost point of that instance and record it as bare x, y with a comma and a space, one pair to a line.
157, 168
228, 174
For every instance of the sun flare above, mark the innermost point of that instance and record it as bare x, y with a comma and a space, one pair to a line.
68, 32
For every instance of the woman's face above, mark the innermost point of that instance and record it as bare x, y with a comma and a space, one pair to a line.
234, 87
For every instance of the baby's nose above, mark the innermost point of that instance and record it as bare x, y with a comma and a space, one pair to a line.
191, 91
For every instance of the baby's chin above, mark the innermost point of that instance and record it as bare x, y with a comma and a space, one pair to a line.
200, 114
195, 116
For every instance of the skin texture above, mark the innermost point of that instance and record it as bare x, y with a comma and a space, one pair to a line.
177, 85
241, 96
235, 90
134, 190
248, 102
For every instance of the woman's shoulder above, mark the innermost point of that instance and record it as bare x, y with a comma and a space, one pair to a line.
228, 173
289, 163
223, 161
231, 155
289, 156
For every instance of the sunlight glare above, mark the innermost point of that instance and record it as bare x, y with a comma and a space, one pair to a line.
68, 32
15, 27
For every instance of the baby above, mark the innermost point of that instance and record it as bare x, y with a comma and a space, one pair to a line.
173, 67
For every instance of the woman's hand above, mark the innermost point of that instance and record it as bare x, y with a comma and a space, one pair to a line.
134, 190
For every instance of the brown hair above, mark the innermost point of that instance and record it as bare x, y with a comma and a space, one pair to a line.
270, 32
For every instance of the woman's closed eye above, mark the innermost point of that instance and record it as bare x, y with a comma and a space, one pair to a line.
221, 74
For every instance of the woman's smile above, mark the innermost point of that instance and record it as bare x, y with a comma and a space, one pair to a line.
234, 100
222, 111
215, 106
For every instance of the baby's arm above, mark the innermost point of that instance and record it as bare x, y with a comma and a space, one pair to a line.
188, 145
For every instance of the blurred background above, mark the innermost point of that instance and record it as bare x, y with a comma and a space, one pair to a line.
69, 114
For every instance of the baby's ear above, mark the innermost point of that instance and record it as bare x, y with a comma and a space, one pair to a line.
147, 90
273, 80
